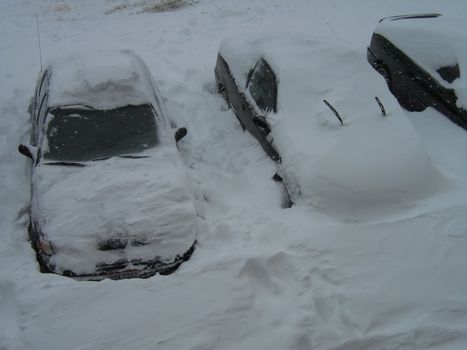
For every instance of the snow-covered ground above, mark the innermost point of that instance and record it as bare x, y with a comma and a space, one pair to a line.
262, 277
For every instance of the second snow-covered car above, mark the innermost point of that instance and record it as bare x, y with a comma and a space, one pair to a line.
342, 143
110, 193
423, 59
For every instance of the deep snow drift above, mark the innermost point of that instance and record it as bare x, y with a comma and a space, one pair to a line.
262, 277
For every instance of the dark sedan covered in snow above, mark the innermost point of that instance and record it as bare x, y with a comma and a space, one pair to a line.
341, 142
110, 193
423, 59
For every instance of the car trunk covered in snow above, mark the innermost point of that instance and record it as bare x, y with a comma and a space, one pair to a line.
145, 202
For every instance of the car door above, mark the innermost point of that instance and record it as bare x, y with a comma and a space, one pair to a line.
233, 94
243, 107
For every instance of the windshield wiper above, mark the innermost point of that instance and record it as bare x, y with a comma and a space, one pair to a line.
103, 158
77, 106
132, 156
66, 163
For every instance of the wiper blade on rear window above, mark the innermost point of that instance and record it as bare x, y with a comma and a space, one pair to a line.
132, 156
103, 158
66, 163
77, 106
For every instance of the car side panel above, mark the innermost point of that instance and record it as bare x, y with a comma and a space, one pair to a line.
403, 87
410, 81
240, 106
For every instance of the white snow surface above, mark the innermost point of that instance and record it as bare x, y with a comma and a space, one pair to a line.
262, 277
148, 200
433, 43
83, 79
370, 166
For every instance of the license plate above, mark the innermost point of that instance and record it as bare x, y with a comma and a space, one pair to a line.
123, 275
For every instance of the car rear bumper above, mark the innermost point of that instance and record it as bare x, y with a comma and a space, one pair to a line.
125, 269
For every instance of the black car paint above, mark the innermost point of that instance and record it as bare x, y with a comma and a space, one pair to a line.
250, 120
413, 86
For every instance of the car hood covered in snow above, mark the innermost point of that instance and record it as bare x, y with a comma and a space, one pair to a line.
145, 201
369, 166
433, 43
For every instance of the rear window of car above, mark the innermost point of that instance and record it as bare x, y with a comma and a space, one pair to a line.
75, 134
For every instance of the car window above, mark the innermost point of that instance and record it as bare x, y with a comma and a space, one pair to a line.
86, 134
44, 86
262, 86
449, 73
40, 105
42, 110
41, 91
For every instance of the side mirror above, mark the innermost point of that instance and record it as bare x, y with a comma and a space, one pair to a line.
28, 151
180, 134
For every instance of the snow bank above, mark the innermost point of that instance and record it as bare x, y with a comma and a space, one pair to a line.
433, 43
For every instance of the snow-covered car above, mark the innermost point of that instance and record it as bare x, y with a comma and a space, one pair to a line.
423, 59
110, 193
311, 104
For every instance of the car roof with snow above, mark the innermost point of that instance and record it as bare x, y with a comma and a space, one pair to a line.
101, 80
433, 42
370, 159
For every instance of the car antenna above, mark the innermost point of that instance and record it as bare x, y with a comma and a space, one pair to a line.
334, 111
39, 39
380, 104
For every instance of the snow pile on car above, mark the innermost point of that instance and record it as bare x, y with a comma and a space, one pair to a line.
145, 201
370, 166
432, 43
83, 79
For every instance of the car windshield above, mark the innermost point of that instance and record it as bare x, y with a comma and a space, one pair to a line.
81, 134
